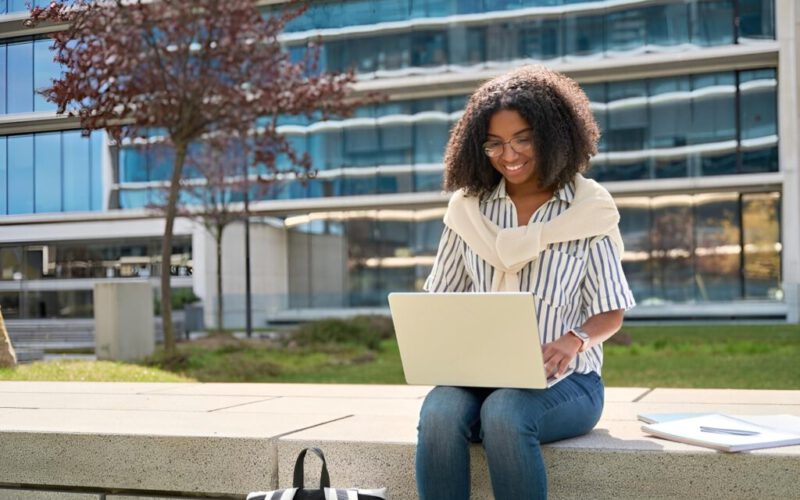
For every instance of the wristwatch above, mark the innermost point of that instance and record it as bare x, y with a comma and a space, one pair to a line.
582, 336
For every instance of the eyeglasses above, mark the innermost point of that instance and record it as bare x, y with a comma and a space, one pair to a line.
520, 145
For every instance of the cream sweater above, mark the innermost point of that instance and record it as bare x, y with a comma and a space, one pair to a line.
592, 213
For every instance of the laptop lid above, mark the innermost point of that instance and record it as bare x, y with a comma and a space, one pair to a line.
469, 339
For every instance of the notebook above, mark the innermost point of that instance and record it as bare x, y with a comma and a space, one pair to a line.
726, 433
469, 339
657, 418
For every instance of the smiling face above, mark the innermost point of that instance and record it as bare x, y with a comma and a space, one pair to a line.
509, 137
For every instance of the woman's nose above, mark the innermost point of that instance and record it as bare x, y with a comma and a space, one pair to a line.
508, 153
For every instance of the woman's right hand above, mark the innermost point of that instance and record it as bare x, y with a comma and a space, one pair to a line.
558, 355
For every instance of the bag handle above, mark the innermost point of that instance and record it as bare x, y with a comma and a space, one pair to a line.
324, 480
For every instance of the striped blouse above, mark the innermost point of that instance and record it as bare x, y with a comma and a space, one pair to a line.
571, 281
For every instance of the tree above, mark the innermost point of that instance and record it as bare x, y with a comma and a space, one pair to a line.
190, 68
221, 171
8, 358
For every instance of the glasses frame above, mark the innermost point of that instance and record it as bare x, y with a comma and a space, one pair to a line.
502, 145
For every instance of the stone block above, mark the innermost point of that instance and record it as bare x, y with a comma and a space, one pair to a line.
123, 314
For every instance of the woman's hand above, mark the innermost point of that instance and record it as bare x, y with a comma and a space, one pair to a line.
559, 354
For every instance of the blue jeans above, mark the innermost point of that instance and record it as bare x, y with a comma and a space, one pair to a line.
511, 423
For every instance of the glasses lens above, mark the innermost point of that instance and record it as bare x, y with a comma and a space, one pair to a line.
493, 149
520, 144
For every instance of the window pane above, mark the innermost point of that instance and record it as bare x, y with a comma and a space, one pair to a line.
20, 174
627, 131
360, 182
325, 148
396, 144
361, 146
584, 35
3, 77
758, 119
66, 304
712, 22
430, 8
18, 5
670, 112
3, 177
634, 224
718, 247
20, 85
133, 198
10, 263
756, 20
670, 122
626, 31
714, 123
469, 6
133, 164
540, 39
9, 301
627, 116
501, 42
97, 170
77, 172
466, 45
45, 70
395, 179
668, 25
160, 160
363, 241
428, 179
430, 139
393, 52
671, 236
48, 172
758, 91
427, 235
429, 49
761, 216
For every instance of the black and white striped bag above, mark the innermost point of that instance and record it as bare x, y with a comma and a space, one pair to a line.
325, 492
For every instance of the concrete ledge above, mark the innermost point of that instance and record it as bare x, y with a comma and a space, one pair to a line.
137, 441
615, 461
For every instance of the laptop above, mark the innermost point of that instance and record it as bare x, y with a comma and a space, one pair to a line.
469, 339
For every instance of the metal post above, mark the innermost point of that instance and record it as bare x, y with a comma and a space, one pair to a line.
248, 299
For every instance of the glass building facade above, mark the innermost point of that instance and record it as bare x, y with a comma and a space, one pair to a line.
23, 265
709, 247
713, 128
50, 172
697, 125
451, 37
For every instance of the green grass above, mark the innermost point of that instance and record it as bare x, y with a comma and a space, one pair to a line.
723, 356
246, 361
714, 356
89, 371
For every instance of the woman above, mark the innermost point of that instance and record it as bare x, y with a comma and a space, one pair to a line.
523, 218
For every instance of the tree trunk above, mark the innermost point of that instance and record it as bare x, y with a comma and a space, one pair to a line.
166, 249
220, 322
8, 358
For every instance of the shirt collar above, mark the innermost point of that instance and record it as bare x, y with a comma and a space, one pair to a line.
566, 193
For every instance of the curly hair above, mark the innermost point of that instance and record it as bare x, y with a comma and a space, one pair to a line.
565, 133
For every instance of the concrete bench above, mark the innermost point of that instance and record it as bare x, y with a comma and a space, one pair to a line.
224, 440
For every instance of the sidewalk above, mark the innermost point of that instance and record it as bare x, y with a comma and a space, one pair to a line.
227, 439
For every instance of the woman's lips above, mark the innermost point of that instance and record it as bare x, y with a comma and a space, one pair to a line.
514, 168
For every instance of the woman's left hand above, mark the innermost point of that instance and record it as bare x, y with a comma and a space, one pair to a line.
559, 354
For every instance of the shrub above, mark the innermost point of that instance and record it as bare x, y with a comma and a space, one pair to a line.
365, 331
